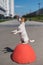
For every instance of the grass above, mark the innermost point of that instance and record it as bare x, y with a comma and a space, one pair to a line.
37, 18
4, 20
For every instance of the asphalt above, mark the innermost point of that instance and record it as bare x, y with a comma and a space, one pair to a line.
9, 41
15, 22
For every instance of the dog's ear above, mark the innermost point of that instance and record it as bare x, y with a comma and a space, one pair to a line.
25, 19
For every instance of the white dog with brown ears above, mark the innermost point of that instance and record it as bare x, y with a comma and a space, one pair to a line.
22, 32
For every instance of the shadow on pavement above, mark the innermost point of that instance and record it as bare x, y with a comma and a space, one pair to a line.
7, 49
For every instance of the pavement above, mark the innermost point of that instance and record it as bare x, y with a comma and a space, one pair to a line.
15, 22
9, 41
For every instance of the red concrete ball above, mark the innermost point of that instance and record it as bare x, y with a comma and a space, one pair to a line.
23, 53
